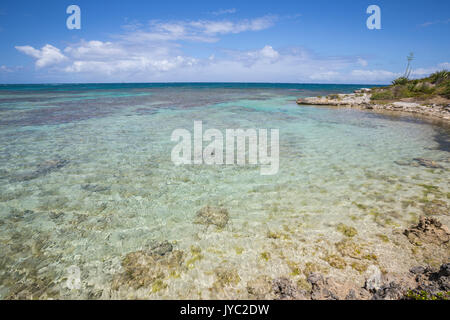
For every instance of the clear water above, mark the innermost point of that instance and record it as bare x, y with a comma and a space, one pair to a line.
86, 178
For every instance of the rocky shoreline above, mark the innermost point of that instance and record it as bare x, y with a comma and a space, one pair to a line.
148, 268
362, 99
419, 283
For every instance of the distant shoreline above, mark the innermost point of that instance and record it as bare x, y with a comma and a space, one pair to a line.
429, 96
362, 99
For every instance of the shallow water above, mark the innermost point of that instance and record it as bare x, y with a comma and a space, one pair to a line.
86, 178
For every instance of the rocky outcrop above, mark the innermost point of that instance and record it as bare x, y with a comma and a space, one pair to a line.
285, 289
422, 283
390, 291
362, 100
428, 231
431, 283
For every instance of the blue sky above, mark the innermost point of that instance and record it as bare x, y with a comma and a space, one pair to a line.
238, 41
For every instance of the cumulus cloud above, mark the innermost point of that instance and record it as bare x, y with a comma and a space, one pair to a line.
122, 61
113, 58
95, 49
197, 30
156, 53
47, 56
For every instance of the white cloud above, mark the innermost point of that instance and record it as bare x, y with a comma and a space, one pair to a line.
123, 61
135, 64
47, 56
225, 27
224, 11
363, 62
4, 68
94, 49
155, 54
424, 72
198, 30
374, 75
430, 23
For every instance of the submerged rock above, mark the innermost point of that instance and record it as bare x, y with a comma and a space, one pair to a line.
56, 215
260, 288
226, 277
429, 230
149, 268
212, 216
51, 165
406, 163
42, 170
95, 188
436, 207
161, 248
428, 163
346, 230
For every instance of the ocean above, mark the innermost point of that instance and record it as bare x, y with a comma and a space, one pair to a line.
89, 191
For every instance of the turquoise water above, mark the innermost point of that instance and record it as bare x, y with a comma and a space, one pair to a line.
86, 178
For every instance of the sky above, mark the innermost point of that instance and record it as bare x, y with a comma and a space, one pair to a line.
320, 41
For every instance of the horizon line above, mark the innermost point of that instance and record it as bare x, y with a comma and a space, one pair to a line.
195, 82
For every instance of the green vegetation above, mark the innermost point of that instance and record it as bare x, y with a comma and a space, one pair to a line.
346, 230
335, 261
400, 81
265, 256
436, 85
423, 295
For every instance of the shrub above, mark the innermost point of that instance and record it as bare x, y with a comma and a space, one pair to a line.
445, 91
424, 87
440, 76
400, 81
382, 95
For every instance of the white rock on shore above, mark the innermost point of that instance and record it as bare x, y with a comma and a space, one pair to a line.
363, 101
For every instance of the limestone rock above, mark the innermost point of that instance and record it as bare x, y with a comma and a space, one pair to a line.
285, 289
429, 230
320, 288
260, 288
428, 163
391, 291
431, 283
374, 279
